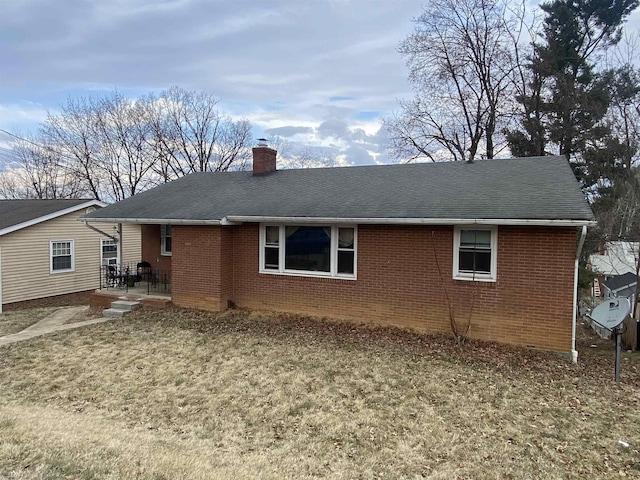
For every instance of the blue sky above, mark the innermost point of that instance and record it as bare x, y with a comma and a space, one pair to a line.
320, 73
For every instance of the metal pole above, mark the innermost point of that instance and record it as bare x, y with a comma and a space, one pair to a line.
618, 351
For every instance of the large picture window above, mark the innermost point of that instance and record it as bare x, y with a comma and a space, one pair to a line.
308, 250
475, 253
165, 240
61, 256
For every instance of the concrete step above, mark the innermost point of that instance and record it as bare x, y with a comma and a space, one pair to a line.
125, 305
120, 308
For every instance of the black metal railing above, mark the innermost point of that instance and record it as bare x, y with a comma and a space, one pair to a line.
130, 275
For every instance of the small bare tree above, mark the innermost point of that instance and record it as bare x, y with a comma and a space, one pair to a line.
189, 134
72, 134
293, 156
38, 172
125, 155
460, 59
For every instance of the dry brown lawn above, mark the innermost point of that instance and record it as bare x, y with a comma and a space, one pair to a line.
15, 321
178, 394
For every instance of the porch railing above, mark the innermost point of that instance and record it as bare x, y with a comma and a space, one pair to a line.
135, 275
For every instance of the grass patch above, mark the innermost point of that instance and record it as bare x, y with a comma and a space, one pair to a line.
18, 320
182, 394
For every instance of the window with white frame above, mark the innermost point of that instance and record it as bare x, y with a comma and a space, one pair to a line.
108, 251
165, 239
328, 251
475, 253
62, 256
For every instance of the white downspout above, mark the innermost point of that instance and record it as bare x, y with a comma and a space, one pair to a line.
119, 246
574, 352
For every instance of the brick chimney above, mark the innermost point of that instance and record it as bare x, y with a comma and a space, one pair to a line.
264, 158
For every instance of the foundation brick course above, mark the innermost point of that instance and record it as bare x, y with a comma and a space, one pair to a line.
68, 299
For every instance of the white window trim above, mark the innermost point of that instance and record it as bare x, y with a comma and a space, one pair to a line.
475, 276
333, 270
163, 236
73, 256
107, 239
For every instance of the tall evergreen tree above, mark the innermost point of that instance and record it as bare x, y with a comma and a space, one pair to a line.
568, 98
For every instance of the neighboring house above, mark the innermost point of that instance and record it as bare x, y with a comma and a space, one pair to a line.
387, 244
621, 286
614, 259
46, 251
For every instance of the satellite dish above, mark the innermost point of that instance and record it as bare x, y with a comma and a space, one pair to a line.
90, 209
612, 312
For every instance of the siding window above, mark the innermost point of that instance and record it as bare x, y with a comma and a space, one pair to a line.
346, 250
326, 251
475, 253
271, 248
108, 251
165, 240
62, 256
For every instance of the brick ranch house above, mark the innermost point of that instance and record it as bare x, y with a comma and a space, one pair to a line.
385, 244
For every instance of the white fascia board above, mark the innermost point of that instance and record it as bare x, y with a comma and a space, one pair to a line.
232, 219
51, 216
151, 221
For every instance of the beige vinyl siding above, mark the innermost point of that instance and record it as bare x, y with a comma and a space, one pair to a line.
26, 258
132, 244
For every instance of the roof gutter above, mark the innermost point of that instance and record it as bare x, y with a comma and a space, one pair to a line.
115, 239
238, 219
234, 219
150, 221
574, 352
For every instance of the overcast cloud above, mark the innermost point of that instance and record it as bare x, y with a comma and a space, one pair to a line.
319, 73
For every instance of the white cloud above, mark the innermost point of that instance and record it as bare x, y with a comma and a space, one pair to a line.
325, 71
21, 116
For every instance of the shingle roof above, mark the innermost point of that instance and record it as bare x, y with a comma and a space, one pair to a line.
620, 281
519, 188
16, 212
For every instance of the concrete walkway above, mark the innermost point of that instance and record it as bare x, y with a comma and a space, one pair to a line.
51, 324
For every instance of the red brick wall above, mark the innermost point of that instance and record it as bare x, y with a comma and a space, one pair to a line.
398, 282
226, 264
201, 273
151, 248
78, 298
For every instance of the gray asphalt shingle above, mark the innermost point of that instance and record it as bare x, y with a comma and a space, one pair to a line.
619, 281
517, 188
15, 212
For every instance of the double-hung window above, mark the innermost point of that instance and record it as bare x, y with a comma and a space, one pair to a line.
475, 253
165, 240
108, 251
327, 251
61, 253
